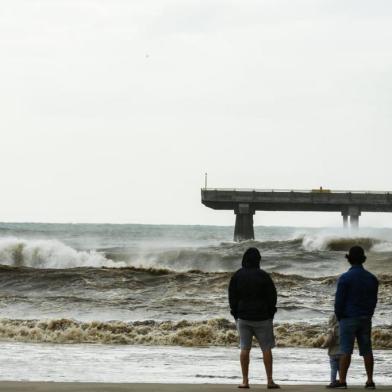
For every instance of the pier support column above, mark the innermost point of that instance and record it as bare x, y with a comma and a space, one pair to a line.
354, 213
345, 219
243, 229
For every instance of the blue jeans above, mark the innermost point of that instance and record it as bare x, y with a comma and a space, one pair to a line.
334, 362
359, 328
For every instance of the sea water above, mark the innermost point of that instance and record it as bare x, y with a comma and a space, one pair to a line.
148, 303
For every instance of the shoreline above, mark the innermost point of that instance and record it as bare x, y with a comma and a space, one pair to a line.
99, 364
17, 386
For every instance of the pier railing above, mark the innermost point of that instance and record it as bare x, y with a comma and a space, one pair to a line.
316, 190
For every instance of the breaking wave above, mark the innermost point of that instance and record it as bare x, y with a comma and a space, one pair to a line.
52, 253
213, 332
334, 243
48, 254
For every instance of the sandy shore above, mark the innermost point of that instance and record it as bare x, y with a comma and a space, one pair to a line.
15, 386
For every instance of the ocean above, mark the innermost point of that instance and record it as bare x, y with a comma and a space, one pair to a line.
132, 303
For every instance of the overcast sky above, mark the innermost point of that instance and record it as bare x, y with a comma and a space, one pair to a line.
111, 111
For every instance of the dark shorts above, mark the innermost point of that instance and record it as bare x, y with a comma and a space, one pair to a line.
262, 330
359, 328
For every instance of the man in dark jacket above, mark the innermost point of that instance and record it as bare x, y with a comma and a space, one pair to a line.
252, 298
355, 302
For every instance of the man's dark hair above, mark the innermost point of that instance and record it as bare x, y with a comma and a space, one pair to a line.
251, 258
356, 255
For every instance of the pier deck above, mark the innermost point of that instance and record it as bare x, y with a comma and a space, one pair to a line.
245, 202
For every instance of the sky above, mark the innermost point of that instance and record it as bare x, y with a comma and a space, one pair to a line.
112, 111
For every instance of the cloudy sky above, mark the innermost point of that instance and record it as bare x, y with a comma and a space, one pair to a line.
111, 111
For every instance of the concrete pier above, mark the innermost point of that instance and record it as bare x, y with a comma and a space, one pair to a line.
345, 219
245, 202
243, 229
354, 213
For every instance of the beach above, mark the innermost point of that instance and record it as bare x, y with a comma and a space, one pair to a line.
93, 387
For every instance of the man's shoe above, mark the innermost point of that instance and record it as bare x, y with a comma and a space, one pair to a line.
370, 385
331, 384
337, 385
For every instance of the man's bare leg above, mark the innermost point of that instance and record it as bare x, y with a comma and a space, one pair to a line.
344, 364
267, 359
369, 365
244, 360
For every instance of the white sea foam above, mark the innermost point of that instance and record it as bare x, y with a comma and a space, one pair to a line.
382, 247
48, 254
329, 242
314, 243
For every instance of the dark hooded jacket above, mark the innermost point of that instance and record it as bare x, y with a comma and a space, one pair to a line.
252, 293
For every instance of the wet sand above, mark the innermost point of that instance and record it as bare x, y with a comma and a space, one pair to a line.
15, 386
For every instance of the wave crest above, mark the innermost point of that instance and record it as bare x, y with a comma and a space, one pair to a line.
48, 254
334, 243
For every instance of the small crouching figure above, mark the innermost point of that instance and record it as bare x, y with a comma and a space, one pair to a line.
333, 345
